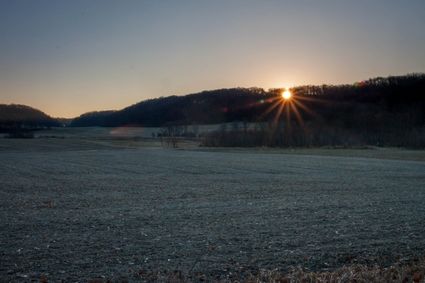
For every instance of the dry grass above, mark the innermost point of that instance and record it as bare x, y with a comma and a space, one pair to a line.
348, 274
413, 272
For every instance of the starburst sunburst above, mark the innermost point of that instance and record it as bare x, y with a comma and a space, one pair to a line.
288, 104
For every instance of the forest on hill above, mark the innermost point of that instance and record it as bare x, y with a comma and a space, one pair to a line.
18, 117
378, 111
370, 103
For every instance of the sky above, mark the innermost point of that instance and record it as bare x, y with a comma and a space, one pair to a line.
70, 57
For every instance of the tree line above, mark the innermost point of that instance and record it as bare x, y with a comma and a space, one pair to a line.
15, 117
373, 103
381, 111
378, 111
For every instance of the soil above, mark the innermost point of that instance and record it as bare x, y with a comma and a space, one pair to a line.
75, 212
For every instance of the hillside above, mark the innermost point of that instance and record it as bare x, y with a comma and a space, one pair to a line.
15, 116
206, 107
379, 111
369, 101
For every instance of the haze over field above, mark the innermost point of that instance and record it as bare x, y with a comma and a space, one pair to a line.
71, 57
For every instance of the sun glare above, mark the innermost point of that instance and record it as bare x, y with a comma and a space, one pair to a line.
286, 94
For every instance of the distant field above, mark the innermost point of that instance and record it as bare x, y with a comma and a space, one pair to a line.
81, 208
134, 132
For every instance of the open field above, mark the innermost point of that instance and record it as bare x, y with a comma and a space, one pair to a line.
76, 209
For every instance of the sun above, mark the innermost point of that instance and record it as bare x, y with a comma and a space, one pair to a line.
286, 94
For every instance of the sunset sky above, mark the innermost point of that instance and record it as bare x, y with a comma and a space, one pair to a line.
70, 57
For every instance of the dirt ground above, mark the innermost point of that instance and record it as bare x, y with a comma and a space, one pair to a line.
75, 210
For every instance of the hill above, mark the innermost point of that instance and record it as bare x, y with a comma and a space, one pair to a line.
206, 107
95, 118
15, 116
368, 101
378, 111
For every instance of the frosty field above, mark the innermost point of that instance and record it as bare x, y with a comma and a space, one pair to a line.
76, 210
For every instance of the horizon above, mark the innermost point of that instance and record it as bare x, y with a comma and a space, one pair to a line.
69, 58
200, 91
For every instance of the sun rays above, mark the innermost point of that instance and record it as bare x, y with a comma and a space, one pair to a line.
288, 105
